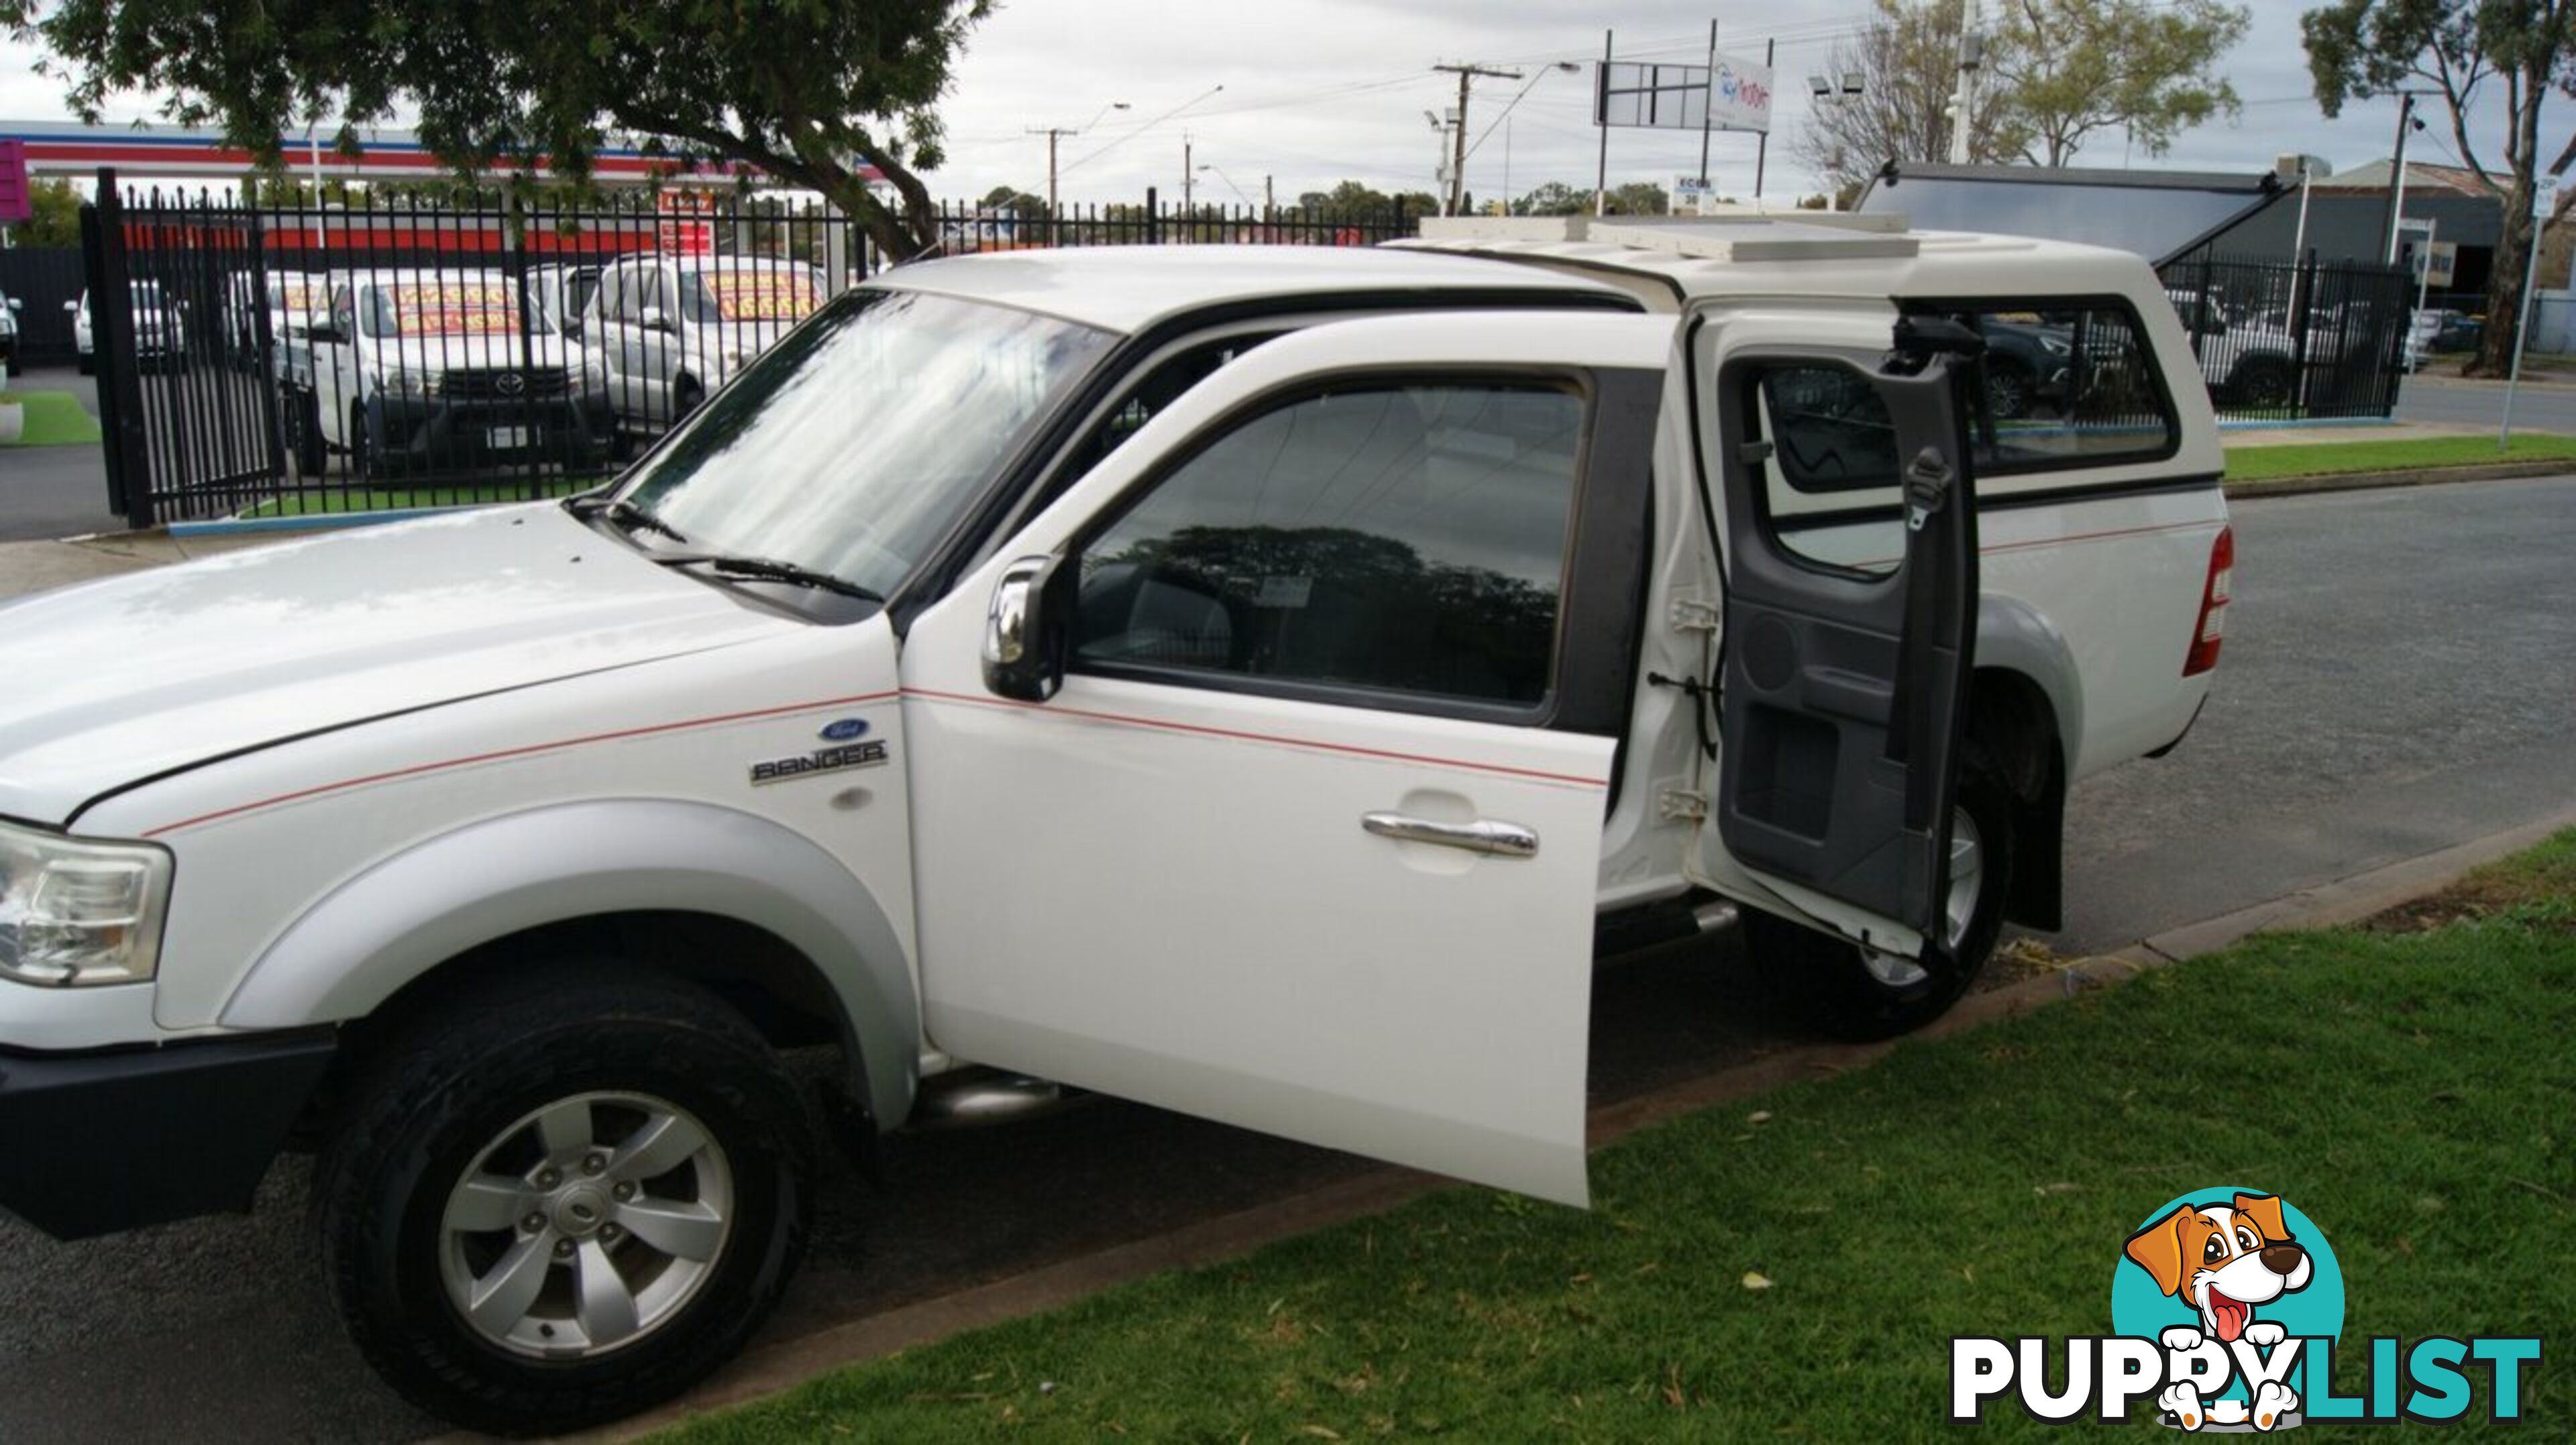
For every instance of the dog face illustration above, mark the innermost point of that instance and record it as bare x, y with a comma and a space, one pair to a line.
2223, 1259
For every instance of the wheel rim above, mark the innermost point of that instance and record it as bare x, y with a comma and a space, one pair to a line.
1958, 908
2004, 394
586, 1225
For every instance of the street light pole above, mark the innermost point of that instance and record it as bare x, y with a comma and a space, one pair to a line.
2542, 195
1963, 104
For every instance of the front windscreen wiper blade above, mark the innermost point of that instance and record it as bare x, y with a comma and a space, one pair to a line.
762, 569
628, 515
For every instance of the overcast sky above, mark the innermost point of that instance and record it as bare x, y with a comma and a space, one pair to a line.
1319, 90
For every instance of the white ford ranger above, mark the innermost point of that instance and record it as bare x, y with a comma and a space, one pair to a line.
1239, 679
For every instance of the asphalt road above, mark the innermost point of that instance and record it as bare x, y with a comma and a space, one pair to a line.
53, 491
2547, 406
2397, 679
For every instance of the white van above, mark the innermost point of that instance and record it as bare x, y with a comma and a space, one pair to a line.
1241, 679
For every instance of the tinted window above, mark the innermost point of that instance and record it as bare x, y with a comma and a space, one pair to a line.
1828, 428
2056, 388
2066, 387
1406, 538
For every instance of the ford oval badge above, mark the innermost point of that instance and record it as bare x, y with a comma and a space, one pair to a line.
845, 729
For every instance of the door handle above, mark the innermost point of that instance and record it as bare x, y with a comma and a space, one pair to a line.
1500, 840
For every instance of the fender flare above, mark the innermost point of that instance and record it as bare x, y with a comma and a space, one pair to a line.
2011, 637
411, 912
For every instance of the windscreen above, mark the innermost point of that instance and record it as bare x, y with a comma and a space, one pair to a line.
854, 443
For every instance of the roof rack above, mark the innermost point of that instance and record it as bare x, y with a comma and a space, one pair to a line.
1738, 234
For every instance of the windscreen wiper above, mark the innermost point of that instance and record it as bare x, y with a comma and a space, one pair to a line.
628, 515
762, 569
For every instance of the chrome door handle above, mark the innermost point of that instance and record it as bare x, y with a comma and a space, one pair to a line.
1500, 840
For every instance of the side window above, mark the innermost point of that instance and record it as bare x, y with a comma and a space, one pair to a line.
344, 313
1828, 428
1160, 388
612, 294
1403, 538
2066, 387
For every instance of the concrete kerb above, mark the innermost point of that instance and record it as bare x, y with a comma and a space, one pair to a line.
776, 1368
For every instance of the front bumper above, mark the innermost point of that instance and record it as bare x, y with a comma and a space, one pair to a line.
458, 429
94, 1143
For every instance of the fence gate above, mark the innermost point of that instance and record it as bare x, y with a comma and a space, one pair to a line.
188, 408
2277, 341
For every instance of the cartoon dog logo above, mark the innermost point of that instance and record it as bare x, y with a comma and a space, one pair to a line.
2221, 1260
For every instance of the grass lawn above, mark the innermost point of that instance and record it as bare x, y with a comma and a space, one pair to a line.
1795, 1267
392, 499
2268, 463
53, 419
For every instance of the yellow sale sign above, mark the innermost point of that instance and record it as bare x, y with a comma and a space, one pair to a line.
763, 295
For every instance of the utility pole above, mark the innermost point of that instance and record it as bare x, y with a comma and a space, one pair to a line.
1762, 143
1458, 130
1963, 103
2397, 179
1055, 133
1189, 173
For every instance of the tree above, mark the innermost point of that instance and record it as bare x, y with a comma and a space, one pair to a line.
2358, 49
1357, 198
53, 215
1908, 64
2069, 68
808, 91
1014, 202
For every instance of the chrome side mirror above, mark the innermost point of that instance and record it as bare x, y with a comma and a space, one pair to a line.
1023, 641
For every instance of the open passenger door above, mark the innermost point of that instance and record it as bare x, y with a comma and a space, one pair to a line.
1843, 688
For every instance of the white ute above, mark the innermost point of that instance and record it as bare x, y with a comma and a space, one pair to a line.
1240, 679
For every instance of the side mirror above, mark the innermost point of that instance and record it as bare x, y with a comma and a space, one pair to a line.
655, 319
1023, 634
323, 333
71, 308
572, 330
17, 305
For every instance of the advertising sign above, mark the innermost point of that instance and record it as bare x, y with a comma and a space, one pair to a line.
1740, 95
15, 205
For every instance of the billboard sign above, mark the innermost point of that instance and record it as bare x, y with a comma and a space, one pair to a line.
1733, 94
1740, 96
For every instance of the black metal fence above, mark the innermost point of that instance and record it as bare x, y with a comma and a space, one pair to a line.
397, 352
2277, 341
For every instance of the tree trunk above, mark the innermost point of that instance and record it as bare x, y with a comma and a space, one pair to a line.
2504, 287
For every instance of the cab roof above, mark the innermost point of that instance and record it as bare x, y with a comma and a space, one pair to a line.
1130, 288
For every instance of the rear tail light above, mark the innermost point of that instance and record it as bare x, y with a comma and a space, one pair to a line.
2212, 631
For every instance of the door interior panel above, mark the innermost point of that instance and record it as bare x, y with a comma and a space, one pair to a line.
1839, 761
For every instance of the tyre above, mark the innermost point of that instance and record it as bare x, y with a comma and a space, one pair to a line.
1850, 992
304, 433
2262, 382
686, 395
2010, 389
365, 461
562, 1199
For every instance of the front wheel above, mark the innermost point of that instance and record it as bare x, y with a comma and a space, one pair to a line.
1843, 989
557, 1202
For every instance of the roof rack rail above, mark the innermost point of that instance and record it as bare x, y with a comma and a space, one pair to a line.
1736, 234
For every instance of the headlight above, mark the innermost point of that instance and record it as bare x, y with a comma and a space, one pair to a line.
2055, 347
589, 373
734, 357
74, 913
399, 382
